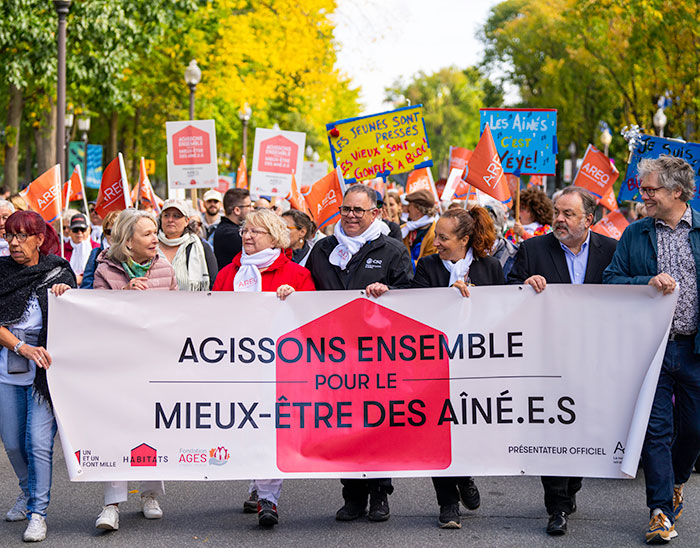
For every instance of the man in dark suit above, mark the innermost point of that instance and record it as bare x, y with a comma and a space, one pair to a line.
572, 253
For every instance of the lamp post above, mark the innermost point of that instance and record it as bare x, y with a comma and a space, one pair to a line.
193, 75
606, 139
244, 116
660, 121
84, 127
68, 121
62, 8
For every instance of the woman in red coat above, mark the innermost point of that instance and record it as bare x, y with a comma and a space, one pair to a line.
262, 265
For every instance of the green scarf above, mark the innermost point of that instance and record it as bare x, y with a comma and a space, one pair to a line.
136, 270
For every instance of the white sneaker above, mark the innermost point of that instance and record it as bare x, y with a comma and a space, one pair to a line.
108, 518
19, 511
150, 507
36, 530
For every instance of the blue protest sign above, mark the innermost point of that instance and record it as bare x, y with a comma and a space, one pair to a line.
93, 171
653, 147
526, 138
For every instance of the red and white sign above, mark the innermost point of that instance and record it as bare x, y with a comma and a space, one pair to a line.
191, 154
277, 155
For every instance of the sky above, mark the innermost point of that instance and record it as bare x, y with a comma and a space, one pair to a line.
381, 41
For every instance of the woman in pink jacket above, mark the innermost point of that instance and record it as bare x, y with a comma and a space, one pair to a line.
132, 263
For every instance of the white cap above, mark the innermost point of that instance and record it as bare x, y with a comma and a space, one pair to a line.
212, 195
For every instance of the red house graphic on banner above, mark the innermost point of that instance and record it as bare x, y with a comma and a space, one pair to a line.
144, 455
191, 146
368, 399
278, 155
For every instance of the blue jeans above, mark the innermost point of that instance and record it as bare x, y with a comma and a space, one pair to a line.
27, 429
668, 462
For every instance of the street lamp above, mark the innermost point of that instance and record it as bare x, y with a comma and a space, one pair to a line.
193, 75
244, 116
68, 121
606, 139
660, 121
62, 8
84, 127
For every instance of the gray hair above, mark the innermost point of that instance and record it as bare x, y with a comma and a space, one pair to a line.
123, 231
266, 218
4, 204
674, 174
587, 199
363, 189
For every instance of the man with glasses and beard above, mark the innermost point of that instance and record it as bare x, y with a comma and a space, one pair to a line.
663, 251
360, 255
570, 254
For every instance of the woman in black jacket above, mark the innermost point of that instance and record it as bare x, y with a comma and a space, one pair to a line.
463, 240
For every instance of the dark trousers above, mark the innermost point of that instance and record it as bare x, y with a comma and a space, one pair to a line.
560, 493
446, 489
668, 461
359, 489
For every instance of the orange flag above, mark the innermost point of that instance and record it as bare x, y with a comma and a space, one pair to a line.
609, 200
296, 199
325, 197
242, 174
421, 179
43, 195
114, 189
72, 188
377, 184
612, 225
484, 169
535, 180
143, 192
459, 157
597, 173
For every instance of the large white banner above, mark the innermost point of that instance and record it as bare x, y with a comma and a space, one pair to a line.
421, 382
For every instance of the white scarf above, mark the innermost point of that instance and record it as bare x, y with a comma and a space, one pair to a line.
415, 225
460, 269
192, 275
530, 228
349, 245
248, 277
80, 256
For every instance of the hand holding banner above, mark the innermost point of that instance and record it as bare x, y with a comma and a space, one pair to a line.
43, 195
484, 169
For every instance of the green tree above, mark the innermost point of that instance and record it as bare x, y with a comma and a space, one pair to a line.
451, 100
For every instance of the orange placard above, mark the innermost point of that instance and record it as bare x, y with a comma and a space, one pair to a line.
421, 179
612, 225
484, 170
597, 173
325, 197
43, 194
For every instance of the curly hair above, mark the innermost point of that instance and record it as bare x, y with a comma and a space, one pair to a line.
536, 201
477, 224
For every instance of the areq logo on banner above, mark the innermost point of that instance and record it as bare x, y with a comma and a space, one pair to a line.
351, 403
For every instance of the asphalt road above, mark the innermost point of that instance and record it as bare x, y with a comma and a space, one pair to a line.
610, 513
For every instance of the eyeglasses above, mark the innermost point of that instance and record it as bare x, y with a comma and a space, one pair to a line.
78, 229
356, 211
649, 190
254, 232
21, 237
243, 206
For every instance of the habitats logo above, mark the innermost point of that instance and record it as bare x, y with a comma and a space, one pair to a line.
145, 455
218, 456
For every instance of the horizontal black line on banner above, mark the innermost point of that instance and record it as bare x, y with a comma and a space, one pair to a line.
228, 382
493, 377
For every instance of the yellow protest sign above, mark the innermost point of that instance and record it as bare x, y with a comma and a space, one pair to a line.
380, 144
150, 167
